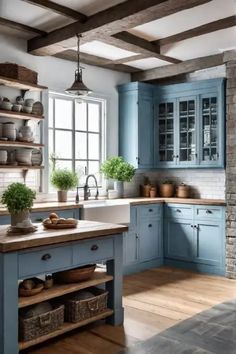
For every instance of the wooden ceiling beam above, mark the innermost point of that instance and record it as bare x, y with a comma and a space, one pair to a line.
20, 27
131, 58
111, 21
198, 31
59, 9
185, 67
143, 46
71, 55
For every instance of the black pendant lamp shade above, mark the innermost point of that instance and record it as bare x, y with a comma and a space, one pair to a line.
78, 87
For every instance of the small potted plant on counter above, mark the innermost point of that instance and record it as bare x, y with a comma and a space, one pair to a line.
19, 199
63, 180
120, 171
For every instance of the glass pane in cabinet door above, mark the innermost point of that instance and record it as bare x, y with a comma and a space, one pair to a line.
170, 155
166, 131
187, 130
209, 125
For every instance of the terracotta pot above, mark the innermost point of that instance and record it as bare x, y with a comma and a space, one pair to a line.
146, 190
19, 218
182, 191
153, 192
167, 190
62, 196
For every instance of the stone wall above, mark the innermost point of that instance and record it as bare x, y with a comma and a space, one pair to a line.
231, 169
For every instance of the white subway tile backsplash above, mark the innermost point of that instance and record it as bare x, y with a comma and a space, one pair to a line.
208, 184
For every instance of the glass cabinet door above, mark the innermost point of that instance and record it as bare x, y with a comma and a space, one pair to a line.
187, 131
209, 140
166, 132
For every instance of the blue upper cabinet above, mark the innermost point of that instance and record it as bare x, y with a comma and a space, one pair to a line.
136, 124
189, 121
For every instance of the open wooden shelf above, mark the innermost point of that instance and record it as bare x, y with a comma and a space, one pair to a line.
62, 289
19, 115
65, 328
19, 144
24, 168
22, 85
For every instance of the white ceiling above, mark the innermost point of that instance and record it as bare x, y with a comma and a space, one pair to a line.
212, 43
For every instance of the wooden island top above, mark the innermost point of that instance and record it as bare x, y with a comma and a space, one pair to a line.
43, 237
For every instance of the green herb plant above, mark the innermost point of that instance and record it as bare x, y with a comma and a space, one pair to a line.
64, 179
118, 169
18, 197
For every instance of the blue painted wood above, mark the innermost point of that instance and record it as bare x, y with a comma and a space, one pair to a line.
136, 124
8, 304
93, 250
31, 259
197, 91
115, 287
131, 248
179, 211
178, 239
197, 267
197, 241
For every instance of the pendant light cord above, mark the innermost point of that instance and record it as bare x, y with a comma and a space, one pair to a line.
78, 51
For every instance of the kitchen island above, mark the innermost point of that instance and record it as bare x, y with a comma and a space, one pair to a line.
48, 251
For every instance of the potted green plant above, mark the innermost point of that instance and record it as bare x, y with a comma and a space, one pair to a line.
119, 170
63, 180
19, 199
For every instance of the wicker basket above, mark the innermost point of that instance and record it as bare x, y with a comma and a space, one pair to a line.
18, 72
41, 325
79, 310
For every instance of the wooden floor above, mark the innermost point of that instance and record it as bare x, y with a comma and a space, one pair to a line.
154, 300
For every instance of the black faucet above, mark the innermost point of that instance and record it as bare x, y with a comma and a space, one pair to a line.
86, 189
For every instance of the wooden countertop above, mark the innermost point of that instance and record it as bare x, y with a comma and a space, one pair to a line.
140, 201
42, 237
47, 206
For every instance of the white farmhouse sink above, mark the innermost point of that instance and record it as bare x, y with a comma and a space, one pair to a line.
113, 211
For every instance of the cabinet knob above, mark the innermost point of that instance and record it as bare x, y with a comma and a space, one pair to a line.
196, 227
192, 226
150, 210
178, 211
150, 225
46, 257
94, 248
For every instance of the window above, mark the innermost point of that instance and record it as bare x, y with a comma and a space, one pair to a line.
76, 134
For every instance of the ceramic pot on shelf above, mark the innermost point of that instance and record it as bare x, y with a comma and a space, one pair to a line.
9, 131
3, 157
23, 156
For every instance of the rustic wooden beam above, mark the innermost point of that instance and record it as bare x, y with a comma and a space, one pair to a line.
71, 55
21, 27
144, 46
131, 58
198, 31
185, 67
111, 21
59, 9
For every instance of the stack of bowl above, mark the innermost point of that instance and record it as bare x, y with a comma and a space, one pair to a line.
3, 157
23, 156
9, 131
28, 104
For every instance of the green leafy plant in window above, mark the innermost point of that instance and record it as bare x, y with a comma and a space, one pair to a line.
118, 169
63, 180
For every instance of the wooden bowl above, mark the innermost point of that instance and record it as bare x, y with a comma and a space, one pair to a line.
75, 275
32, 292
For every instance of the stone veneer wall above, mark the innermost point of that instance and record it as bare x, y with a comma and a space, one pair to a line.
231, 169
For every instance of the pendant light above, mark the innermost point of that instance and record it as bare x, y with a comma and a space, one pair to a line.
78, 87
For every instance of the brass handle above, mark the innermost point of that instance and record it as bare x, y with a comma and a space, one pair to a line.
46, 257
94, 248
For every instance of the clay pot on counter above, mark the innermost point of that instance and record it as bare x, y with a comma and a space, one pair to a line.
145, 190
62, 196
153, 192
167, 190
182, 191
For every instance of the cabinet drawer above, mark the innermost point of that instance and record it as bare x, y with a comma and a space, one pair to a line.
209, 212
179, 211
150, 210
38, 217
93, 251
46, 260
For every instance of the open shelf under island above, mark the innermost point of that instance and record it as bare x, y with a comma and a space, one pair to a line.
23, 256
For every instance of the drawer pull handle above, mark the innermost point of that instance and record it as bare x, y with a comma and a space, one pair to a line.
150, 210
150, 225
178, 211
46, 257
208, 211
94, 248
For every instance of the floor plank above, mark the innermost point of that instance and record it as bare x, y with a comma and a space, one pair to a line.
155, 301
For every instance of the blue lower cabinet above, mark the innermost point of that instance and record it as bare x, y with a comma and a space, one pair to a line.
178, 239
194, 243
209, 244
143, 243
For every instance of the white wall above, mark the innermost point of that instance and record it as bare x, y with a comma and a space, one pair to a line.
58, 75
